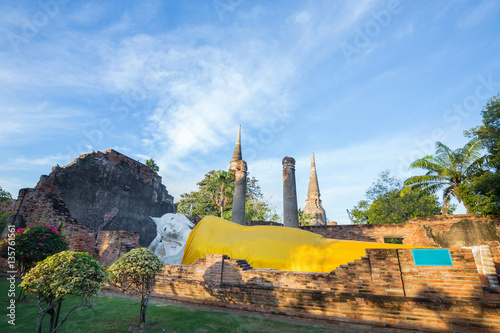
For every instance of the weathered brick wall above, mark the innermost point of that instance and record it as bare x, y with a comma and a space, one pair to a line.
111, 244
34, 204
383, 289
80, 238
447, 231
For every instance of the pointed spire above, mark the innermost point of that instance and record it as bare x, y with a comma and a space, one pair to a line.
237, 148
313, 207
313, 190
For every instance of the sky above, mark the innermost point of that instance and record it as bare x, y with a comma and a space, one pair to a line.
366, 85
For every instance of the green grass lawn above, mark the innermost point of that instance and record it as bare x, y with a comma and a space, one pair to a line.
115, 314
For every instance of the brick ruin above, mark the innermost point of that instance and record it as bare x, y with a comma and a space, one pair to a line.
384, 289
98, 197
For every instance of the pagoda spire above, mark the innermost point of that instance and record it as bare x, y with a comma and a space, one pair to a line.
237, 151
313, 190
314, 212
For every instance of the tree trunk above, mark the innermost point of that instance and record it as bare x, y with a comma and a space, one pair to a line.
144, 307
58, 311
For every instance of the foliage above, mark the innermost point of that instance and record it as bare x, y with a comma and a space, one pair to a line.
304, 220
393, 240
61, 274
6, 207
151, 163
489, 132
201, 203
482, 193
221, 186
447, 170
134, 273
388, 203
33, 244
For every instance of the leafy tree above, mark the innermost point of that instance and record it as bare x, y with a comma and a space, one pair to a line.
447, 170
151, 163
6, 207
387, 203
61, 274
221, 186
33, 244
134, 273
201, 202
489, 132
482, 193
304, 219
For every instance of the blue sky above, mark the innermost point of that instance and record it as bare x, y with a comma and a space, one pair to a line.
365, 85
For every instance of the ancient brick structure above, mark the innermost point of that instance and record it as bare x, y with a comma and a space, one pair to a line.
383, 289
314, 213
237, 151
240, 187
290, 210
106, 200
448, 231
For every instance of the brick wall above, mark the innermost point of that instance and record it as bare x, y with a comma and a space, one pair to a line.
447, 231
383, 289
33, 205
80, 238
111, 244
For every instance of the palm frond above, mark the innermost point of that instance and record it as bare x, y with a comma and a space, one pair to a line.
427, 163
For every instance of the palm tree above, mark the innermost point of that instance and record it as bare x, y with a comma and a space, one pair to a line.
220, 183
447, 170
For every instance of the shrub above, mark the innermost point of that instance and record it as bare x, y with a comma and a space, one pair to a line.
61, 274
33, 244
134, 273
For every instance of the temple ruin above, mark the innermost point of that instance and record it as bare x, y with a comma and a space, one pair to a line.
314, 213
240, 186
290, 210
106, 199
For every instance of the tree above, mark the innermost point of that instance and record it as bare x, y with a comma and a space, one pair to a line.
6, 207
489, 132
134, 273
304, 220
482, 193
447, 170
33, 244
221, 185
387, 203
61, 274
201, 203
151, 163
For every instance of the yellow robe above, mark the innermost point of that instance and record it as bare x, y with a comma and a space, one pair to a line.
281, 248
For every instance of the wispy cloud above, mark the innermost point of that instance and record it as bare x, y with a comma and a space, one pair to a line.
478, 14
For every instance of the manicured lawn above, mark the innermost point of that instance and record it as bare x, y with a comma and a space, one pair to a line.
115, 314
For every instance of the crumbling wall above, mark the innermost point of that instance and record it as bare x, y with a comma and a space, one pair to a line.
447, 231
112, 244
100, 191
383, 289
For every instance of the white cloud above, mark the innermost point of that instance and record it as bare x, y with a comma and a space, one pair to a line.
302, 17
